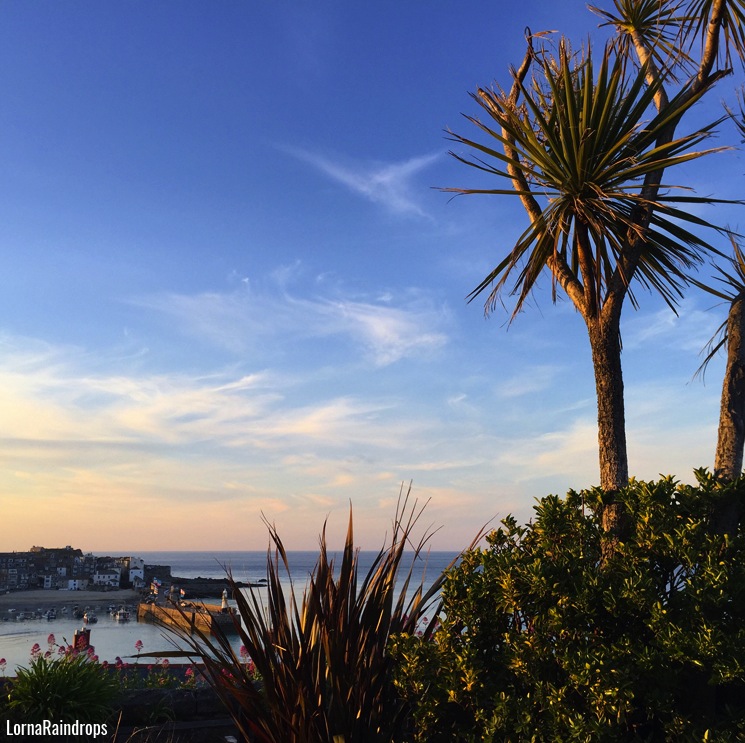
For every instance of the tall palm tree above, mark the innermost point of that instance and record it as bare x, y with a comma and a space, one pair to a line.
586, 152
731, 336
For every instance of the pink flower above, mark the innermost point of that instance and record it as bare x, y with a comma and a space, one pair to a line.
48, 654
139, 645
94, 658
165, 663
189, 673
105, 664
3, 663
51, 639
243, 652
35, 650
61, 650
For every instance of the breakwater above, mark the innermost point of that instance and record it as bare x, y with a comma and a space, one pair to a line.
189, 616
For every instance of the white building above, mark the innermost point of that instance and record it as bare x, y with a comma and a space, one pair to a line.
50, 580
109, 577
136, 570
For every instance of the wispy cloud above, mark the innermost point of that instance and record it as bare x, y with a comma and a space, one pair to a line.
387, 184
388, 329
569, 454
688, 331
388, 333
533, 379
235, 442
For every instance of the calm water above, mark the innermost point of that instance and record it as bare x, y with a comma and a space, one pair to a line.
111, 638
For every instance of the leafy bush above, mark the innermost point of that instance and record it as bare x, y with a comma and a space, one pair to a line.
67, 688
321, 660
542, 641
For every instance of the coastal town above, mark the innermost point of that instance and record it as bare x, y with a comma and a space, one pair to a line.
67, 568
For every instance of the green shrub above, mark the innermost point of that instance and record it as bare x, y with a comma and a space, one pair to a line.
538, 642
321, 659
67, 688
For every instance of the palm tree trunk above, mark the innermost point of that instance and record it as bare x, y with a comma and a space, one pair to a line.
605, 342
731, 436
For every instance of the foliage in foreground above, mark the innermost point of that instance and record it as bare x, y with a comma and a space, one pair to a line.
67, 688
324, 670
539, 644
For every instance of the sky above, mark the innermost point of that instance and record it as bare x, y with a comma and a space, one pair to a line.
231, 286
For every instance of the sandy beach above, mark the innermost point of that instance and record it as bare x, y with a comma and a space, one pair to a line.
35, 599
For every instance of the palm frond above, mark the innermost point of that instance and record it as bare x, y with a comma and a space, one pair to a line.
739, 118
697, 14
732, 277
656, 25
584, 140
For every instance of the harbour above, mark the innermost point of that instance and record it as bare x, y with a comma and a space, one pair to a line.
112, 638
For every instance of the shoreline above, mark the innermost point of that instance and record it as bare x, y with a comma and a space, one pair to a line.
51, 599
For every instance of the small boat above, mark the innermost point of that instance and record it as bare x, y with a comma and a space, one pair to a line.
122, 615
51, 614
90, 617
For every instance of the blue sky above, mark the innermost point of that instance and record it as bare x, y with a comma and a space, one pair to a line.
229, 286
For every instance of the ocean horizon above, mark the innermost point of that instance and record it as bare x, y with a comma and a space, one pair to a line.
250, 565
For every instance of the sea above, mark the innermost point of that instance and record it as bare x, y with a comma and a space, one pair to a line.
112, 639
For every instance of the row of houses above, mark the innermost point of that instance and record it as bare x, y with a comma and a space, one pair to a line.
68, 568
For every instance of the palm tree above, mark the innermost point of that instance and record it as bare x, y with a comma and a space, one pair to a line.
731, 336
586, 153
